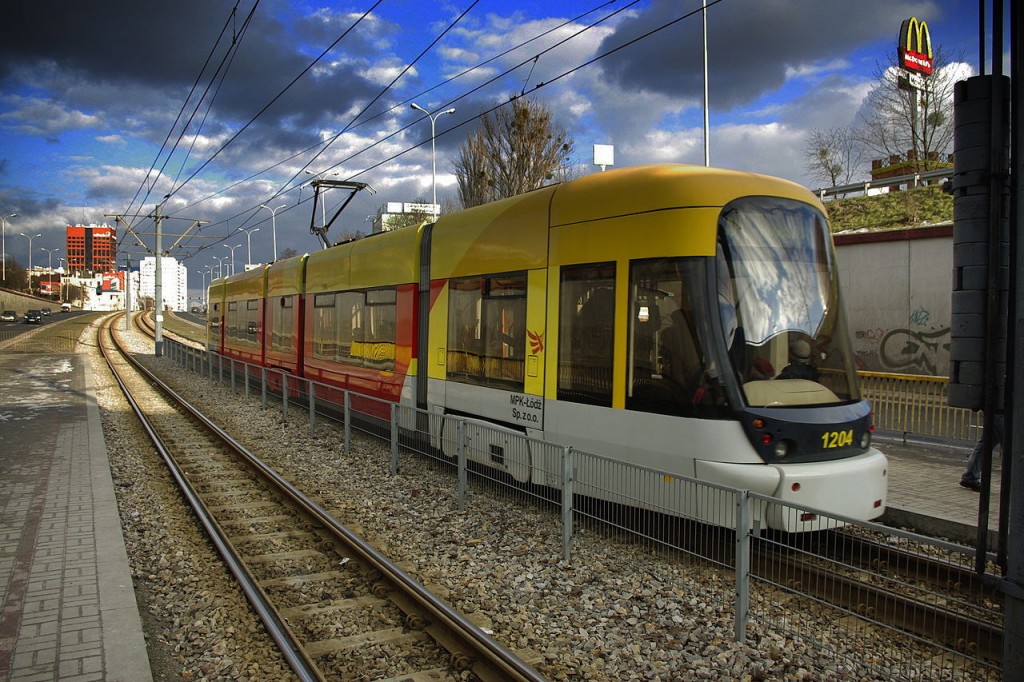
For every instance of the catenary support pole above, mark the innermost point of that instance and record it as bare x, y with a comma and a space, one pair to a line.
1013, 580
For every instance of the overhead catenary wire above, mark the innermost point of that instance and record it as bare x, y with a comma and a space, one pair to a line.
181, 111
356, 122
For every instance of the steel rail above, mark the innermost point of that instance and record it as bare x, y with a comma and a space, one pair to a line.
444, 623
278, 629
927, 622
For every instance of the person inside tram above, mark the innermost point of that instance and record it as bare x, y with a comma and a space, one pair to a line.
800, 366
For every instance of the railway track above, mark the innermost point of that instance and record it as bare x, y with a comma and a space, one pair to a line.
335, 606
932, 599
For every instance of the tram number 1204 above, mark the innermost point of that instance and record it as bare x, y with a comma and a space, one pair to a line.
837, 439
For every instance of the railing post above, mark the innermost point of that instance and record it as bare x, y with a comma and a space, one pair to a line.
568, 475
312, 407
232, 375
248, 369
284, 394
461, 458
347, 415
743, 533
394, 439
263, 387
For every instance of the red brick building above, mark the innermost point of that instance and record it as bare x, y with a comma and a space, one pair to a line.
91, 248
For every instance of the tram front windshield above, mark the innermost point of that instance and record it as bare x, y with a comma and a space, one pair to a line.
779, 304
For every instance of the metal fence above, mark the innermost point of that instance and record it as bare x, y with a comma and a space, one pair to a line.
685, 519
915, 405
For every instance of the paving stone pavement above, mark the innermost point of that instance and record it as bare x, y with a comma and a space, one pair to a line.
69, 610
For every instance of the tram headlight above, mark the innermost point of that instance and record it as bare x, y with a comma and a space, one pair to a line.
865, 440
782, 449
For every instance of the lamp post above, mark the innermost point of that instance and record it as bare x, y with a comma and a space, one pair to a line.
220, 264
433, 154
49, 264
273, 223
248, 241
3, 238
60, 264
28, 273
323, 204
207, 270
232, 248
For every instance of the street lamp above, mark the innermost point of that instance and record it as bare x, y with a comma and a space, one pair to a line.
50, 260
28, 273
323, 204
3, 237
228, 246
433, 154
273, 223
49, 265
220, 264
248, 241
207, 270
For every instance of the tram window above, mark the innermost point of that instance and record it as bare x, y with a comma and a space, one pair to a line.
487, 330
379, 340
666, 337
282, 319
324, 343
586, 334
249, 323
349, 326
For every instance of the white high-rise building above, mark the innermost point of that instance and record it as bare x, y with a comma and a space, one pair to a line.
174, 282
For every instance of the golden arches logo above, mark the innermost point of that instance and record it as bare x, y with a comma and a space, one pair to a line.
915, 46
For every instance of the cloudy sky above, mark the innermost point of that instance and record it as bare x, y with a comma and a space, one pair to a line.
107, 108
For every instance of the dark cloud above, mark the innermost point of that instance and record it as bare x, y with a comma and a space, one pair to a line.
120, 53
751, 43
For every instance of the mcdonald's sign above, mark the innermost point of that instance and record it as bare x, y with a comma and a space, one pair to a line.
915, 47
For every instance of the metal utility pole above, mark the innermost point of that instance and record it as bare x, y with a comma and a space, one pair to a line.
127, 292
707, 131
1013, 457
3, 236
158, 274
158, 289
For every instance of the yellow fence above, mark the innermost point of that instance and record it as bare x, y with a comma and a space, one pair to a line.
916, 405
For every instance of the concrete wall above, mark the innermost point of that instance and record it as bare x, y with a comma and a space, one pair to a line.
19, 303
897, 288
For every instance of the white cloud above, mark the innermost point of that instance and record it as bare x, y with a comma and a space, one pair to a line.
46, 117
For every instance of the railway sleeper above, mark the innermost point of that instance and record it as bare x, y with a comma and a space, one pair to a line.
275, 557
299, 613
279, 535
399, 635
298, 581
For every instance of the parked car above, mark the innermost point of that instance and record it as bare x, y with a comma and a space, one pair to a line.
9, 316
33, 317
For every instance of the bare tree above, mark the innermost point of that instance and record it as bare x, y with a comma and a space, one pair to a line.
915, 125
835, 156
471, 172
516, 149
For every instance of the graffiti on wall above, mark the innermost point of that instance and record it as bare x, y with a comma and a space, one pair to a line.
904, 349
910, 350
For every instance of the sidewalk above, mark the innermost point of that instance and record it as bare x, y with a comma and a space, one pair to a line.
925, 492
69, 609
